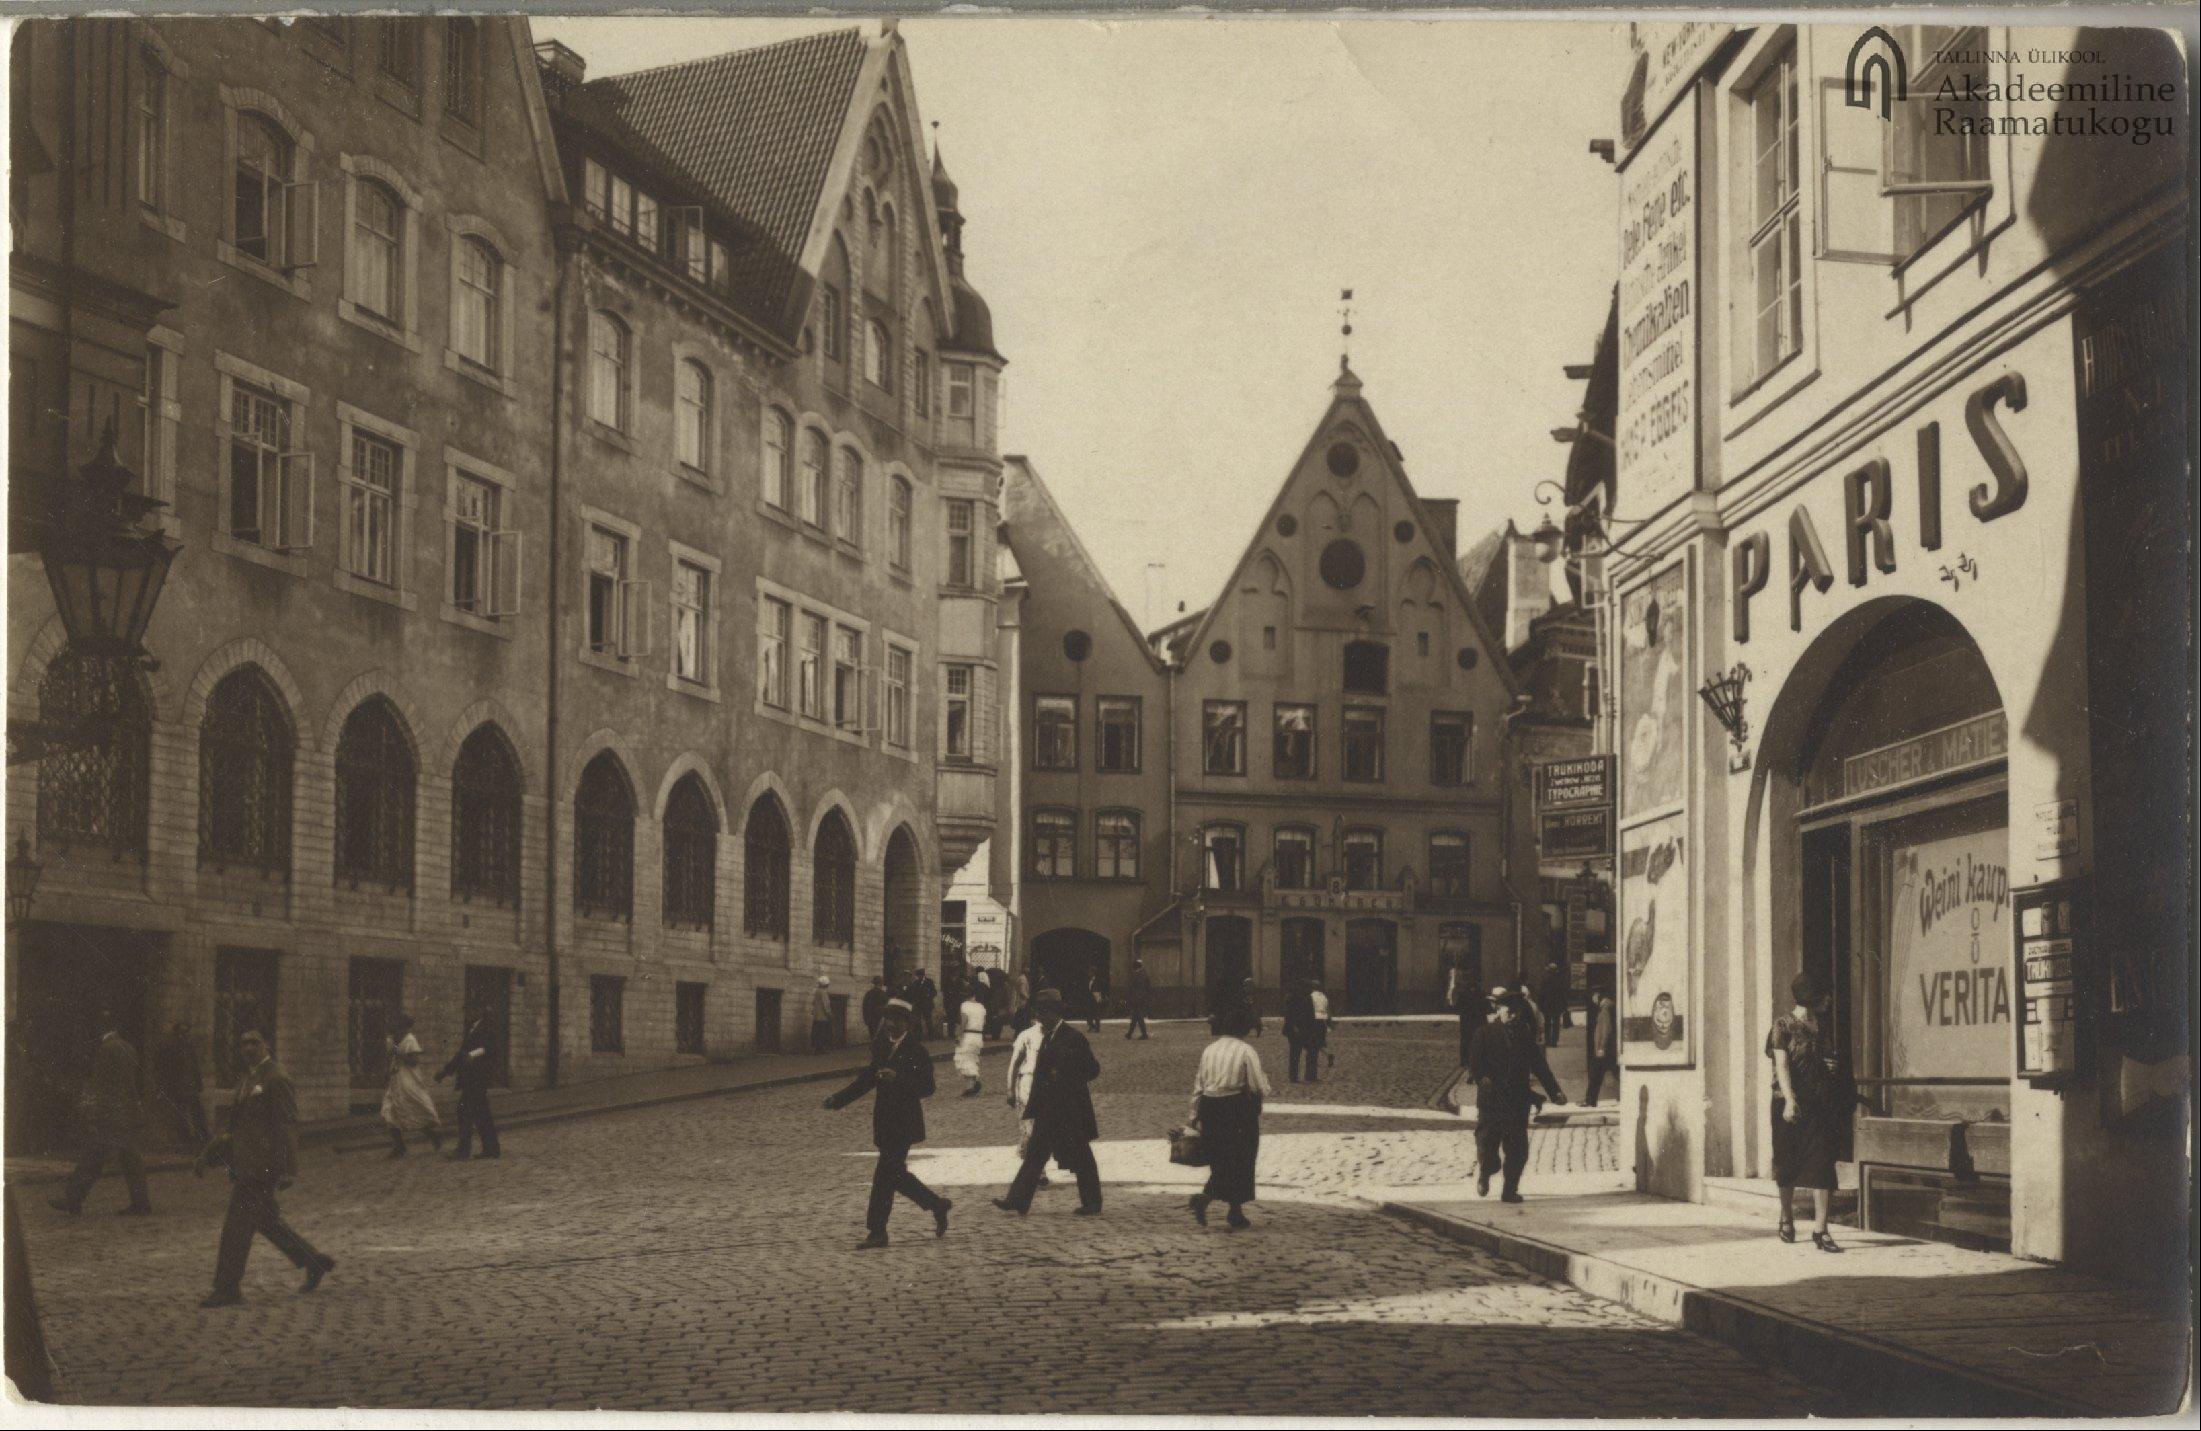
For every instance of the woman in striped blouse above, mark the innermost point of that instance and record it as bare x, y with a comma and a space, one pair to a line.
1226, 1105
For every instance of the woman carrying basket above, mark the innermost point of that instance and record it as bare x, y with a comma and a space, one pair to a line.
1226, 1104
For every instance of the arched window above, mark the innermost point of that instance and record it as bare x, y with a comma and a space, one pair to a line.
816, 456
608, 359
96, 793
764, 853
779, 457
377, 249
374, 798
879, 355
691, 855
692, 423
260, 189
833, 302
603, 840
890, 259
477, 320
848, 497
245, 747
833, 882
485, 819
899, 503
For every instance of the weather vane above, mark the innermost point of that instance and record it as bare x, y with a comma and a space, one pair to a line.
1345, 329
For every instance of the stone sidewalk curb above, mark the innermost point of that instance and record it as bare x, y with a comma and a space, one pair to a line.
1813, 1351
333, 1136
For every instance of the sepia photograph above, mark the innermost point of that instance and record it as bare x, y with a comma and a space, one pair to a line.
919, 717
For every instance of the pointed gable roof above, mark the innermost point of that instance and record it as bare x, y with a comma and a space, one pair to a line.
1021, 479
1347, 406
758, 127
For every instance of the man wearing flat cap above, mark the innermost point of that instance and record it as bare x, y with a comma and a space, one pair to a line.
1060, 1107
901, 1072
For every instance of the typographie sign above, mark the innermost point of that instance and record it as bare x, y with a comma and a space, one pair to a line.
1949, 974
1564, 784
1655, 434
1654, 696
1655, 973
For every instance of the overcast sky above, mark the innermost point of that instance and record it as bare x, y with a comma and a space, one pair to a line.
1162, 212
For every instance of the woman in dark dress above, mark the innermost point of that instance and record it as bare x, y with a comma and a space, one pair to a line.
1805, 1133
1226, 1107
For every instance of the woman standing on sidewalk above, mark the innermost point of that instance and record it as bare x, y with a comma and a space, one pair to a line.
1226, 1107
972, 1038
1804, 1112
407, 1105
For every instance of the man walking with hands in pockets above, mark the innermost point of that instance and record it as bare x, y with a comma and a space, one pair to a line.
1061, 1111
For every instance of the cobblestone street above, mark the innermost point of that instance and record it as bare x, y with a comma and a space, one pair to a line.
702, 1257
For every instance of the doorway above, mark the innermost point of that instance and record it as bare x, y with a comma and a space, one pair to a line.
377, 998
1301, 960
71, 980
1065, 960
1229, 939
1371, 967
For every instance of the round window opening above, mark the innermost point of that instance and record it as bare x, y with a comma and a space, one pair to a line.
1344, 459
1467, 658
1076, 645
1287, 525
1219, 653
1404, 531
1343, 565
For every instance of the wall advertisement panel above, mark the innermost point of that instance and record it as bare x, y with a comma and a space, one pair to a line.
1656, 972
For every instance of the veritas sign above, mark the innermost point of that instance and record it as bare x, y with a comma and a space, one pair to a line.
1655, 443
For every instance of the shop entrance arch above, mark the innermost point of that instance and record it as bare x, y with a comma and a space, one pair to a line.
1891, 826
1066, 959
1371, 966
1229, 959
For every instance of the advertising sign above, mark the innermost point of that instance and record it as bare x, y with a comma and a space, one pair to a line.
1654, 968
1574, 834
1949, 974
1655, 439
2051, 996
1564, 784
1662, 60
1654, 696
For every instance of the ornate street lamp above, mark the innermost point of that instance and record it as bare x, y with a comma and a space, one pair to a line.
23, 873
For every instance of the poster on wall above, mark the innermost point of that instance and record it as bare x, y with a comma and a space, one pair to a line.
1949, 995
1654, 694
1654, 948
1655, 431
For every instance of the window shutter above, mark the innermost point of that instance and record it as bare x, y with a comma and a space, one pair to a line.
292, 494
637, 620
502, 552
1856, 222
301, 224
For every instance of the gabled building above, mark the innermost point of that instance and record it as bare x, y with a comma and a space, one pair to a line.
1329, 801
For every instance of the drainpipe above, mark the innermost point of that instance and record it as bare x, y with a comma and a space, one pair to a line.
563, 239
1506, 842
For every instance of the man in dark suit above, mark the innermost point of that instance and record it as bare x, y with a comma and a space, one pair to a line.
901, 1072
1139, 997
1061, 1111
474, 1063
1501, 1059
261, 1148
113, 1117
1304, 1032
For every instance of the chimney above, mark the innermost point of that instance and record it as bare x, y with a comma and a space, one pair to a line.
563, 66
1444, 515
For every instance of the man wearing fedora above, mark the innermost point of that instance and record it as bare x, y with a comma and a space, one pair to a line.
1060, 1108
901, 1072
1501, 1058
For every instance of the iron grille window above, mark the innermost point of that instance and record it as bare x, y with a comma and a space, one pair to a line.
485, 819
603, 840
691, 856
245, 746
764, 854
95, 793
833, 877
607, 1013
374, 799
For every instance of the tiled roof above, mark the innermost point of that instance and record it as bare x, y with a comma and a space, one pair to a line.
756, 127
